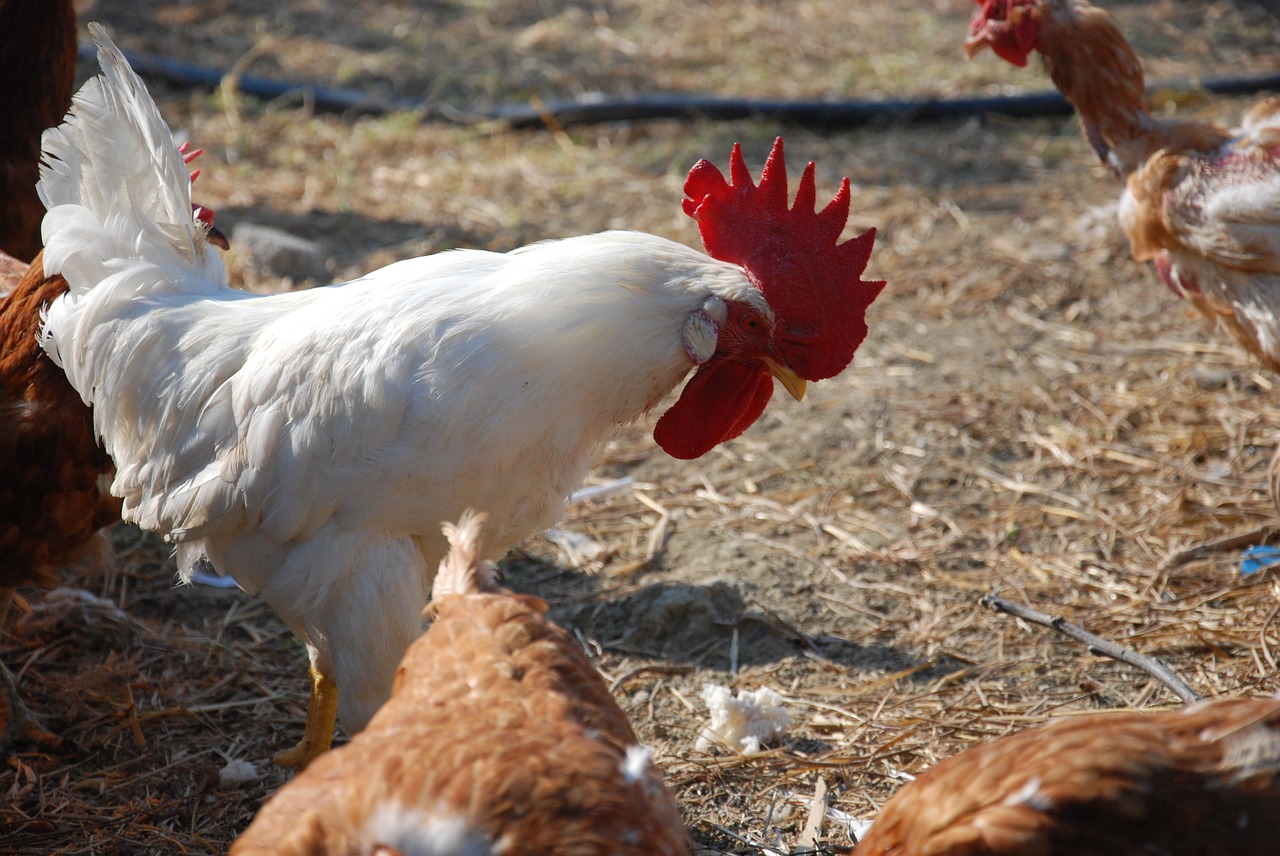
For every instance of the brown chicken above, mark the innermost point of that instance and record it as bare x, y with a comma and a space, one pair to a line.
54, 474
1201, 781
1202, 202
499, 737
53, 495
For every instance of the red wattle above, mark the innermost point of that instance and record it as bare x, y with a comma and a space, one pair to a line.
717, 404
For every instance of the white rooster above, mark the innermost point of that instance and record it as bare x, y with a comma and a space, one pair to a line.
309, 443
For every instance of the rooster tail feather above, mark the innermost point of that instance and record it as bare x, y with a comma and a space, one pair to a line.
463, 571
118, 191
120, 224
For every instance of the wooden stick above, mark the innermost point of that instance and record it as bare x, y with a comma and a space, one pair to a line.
808, 840
1264, 534
1096, 644
131, 714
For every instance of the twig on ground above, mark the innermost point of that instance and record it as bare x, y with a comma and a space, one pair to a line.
1096, 644
650, 669
131, 716
749, 843
1263, 534
1262, 636
808, 840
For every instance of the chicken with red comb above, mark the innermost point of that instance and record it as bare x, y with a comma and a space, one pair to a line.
306, 444
812, 281
1201, 201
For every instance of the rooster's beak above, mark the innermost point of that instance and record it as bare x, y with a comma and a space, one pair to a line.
973, 46
793, 383
218, 239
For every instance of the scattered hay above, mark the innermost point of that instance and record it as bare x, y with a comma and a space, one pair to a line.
1032, 414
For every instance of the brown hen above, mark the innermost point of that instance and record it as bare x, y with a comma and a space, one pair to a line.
53, 495
1201, 201
499, 736
1202, 781
54, 474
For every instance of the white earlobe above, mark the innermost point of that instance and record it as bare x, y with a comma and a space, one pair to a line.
702, 330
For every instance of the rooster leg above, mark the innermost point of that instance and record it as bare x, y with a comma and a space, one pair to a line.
322, 715
16, 722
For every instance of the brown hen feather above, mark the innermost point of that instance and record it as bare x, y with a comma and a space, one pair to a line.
1204, 780
53, 472
499, 736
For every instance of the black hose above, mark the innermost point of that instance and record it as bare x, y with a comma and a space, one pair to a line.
671, 105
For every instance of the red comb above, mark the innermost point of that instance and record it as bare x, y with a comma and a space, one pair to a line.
812, 282
204, 215
188, 156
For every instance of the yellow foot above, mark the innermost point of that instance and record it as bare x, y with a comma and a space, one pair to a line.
301, 755
322, 714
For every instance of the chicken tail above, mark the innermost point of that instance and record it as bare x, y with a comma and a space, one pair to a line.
463, 571
120, 222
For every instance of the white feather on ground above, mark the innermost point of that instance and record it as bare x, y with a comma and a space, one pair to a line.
745, 723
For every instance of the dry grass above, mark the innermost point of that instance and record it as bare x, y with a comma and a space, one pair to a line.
1032, 414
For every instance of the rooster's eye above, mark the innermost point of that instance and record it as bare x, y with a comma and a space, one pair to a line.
750, 322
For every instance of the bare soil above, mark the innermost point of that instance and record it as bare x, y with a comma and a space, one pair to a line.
1031, 414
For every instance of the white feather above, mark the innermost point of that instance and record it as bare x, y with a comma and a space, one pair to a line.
635, 766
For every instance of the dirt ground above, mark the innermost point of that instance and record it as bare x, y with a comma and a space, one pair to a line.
1032, 413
